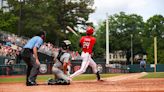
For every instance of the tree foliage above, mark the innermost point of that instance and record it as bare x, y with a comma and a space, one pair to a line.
50, 15
54, 16
154, 28
7, 21
122, 26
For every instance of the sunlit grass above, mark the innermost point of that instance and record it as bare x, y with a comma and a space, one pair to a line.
154, 75
93, 76
46, 77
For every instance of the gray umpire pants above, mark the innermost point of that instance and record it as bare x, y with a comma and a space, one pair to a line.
32, 67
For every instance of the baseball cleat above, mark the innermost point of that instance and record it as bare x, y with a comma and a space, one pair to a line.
51, 82
31, 84
69, 79
98, 75
58, 82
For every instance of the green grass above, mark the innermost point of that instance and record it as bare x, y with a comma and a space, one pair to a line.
93, 77
12, 80
154, 75
23, 79
43, 78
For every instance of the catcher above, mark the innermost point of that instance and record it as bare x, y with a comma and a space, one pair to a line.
62, 61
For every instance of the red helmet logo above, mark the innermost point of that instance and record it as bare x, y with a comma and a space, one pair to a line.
90, 30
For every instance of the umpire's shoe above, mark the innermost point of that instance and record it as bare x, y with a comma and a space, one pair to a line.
31, 83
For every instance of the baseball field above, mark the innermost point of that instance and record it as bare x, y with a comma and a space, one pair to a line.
134, 82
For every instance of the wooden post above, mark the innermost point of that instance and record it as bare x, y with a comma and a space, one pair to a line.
155, 53
107, 41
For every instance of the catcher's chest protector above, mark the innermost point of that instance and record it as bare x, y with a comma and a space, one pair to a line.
59, 55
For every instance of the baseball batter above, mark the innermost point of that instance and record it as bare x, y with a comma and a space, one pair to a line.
62, 61
87, 43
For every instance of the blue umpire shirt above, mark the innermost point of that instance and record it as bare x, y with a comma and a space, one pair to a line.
36, 41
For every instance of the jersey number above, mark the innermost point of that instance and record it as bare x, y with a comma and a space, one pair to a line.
86, 44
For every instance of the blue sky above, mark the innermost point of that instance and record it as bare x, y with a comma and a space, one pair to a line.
144, 8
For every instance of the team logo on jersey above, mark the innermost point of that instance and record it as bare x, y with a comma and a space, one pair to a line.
43, 68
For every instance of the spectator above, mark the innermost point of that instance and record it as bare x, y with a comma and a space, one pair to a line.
143, 65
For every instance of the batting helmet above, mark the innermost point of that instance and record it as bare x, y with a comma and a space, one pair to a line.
66, 44
90, 30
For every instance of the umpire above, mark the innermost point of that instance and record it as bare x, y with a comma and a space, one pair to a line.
30, 56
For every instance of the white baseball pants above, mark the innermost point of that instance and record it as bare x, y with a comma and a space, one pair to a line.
87, 61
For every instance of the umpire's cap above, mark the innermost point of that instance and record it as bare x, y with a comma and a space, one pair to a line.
42, 34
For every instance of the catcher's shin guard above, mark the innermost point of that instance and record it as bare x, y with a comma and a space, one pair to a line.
98, 75
51, 82
62, 82
58, 82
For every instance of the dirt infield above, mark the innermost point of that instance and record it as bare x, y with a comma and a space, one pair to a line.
127, 82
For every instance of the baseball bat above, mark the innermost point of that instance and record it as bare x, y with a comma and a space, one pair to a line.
70, 29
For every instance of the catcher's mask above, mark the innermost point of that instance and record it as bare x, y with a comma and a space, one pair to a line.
66, 44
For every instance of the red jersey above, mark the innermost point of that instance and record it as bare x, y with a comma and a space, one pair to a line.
87, 43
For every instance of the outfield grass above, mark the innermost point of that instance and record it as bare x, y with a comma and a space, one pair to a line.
43, 78
154, 75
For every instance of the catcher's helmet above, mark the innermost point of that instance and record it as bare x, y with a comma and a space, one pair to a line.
66, 44
90, 30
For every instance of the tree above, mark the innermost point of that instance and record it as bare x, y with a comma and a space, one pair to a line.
154, 28
7, 21
99, 49
50, 15
121, 26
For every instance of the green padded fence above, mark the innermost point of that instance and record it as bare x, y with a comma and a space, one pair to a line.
149, 68
16, 69
160, 68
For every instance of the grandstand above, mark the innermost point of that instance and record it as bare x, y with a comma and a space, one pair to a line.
10, 59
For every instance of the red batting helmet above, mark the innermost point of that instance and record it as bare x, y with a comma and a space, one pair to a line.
90, 30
